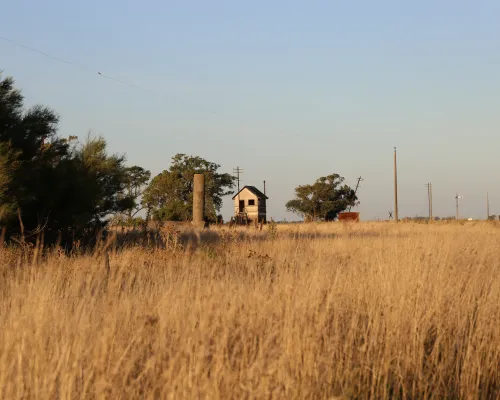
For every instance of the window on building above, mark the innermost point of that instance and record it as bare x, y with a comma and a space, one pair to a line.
251, 202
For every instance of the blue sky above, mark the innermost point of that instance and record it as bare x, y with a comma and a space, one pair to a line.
289, 91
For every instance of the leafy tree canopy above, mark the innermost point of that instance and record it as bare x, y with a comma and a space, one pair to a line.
322, 200
170, 194
49, 182
136, 178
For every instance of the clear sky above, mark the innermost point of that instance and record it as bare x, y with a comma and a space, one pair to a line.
287, 90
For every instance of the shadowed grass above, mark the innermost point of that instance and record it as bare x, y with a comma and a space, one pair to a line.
315, 311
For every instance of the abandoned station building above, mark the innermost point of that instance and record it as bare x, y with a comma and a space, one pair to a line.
250, 205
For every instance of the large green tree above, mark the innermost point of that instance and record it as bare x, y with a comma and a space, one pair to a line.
170, 194
323, 200
8, 164
136, 179
49, 182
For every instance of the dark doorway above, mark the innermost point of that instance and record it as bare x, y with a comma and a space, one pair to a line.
242, 205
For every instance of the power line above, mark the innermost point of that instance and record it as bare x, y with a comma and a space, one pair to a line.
79, 66
47, 55
94, 72
117, 80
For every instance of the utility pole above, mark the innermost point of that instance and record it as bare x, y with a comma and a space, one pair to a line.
395, 188
456, 203
238, 171
429, 196
487, 206
356, 190
432, 211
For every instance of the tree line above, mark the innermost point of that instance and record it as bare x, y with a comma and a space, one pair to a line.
68, 189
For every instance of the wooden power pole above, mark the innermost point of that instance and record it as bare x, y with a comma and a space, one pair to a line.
456, 204
396, 215
429, 197
487, 206
432, 212
356, 190
238, 171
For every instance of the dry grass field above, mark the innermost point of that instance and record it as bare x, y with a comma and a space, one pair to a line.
370, 310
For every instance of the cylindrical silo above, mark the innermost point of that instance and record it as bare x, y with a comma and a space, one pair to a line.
199, 201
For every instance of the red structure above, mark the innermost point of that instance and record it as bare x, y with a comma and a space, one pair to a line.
349, 216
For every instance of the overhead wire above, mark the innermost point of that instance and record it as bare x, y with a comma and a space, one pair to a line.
46, 54
120, 81
240, 148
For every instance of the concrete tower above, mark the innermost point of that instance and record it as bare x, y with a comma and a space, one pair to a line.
199, 201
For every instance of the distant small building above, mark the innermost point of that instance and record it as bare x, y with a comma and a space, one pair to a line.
349, 216
250, 205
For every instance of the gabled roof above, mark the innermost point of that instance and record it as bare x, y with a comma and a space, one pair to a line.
254, 190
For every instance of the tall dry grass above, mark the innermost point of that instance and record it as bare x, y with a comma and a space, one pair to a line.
321, 311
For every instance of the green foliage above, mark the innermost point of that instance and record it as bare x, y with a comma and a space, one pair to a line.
104, 179
170, 194
136, 178
8, 165
53, 183
28, 138
322, 200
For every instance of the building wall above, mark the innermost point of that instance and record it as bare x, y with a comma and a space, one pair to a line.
262, 206
257, 211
